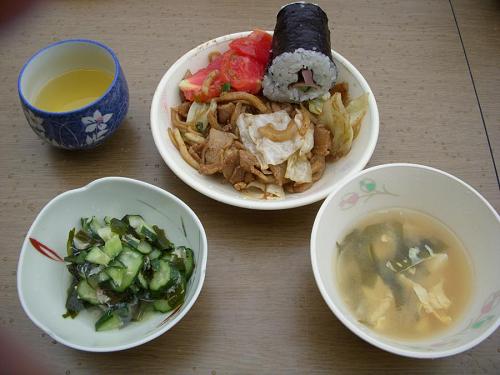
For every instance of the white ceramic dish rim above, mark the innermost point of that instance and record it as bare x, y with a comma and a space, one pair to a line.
368, 338
241, 202
153, 335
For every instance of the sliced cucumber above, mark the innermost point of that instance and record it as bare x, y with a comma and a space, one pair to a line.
98, 278
142, 280
174, 296
97, 256
132, 260
187, 256
162, 305
113, 246
131, 241
105, 233
143, 269
134, 220
108, 320
86, 292
175, 260
147, 232
155, 254
102, 277
144, 247
140, 227
94, 225
162, 276
116, 274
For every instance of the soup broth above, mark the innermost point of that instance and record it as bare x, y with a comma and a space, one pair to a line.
72, 90
404, 274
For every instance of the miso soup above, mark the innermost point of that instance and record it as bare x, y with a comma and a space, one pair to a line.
404, 274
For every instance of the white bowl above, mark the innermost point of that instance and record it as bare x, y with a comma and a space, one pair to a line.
167, 95
42, 281
440, 195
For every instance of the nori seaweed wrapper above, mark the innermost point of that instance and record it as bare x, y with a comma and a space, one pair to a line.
301, 25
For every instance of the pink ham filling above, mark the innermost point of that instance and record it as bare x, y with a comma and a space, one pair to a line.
305, 79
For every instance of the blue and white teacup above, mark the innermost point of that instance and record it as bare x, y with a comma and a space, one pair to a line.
84, 127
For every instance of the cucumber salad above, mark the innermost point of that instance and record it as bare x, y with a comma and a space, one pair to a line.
125, 267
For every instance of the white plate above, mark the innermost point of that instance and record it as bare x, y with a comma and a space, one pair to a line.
167, 95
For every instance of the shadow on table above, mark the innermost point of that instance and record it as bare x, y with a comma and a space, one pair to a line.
115, 157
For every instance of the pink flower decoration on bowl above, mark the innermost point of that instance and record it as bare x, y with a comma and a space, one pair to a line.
349, 200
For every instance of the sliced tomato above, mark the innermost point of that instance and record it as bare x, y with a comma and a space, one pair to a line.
191, 87
256, 45
242, 72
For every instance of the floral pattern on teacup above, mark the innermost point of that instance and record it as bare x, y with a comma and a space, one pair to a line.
34, 121
368, 188
96, 126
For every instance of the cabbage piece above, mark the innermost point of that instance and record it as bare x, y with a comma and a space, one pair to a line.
258, 190
265, 150
435, 264
198, 114
308, 140
255, 190
298, 168
357, 109
274, 191
434, 302
336, 118
316, 105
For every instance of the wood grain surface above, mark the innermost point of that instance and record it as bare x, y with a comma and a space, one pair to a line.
479, 23
260, 310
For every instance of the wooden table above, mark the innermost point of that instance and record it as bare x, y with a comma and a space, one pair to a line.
434, 69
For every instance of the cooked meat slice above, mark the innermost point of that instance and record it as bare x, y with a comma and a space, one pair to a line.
239, 145
322, 141
230, 162
247, 160
297, 188
217, 142
317, 167
249, 177
210, 168
235, 114
237, 176
213, 155
343, 89
219, 139
262, 177
279, 173
224, 112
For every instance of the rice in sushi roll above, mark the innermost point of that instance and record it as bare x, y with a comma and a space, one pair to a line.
301, 65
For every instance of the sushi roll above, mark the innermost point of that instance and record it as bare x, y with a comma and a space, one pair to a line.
301, 66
